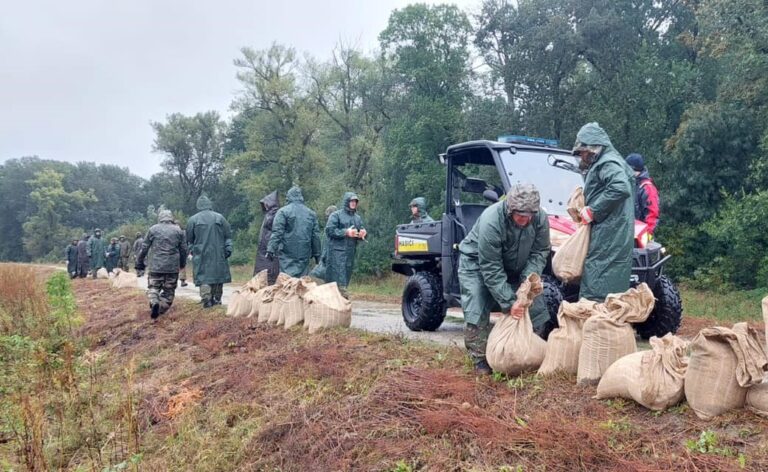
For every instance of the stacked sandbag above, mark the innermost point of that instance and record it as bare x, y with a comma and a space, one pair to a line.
568, 261
724, 364
757, 395
325, 308
102, 273
262, 304
242, 301
608, 335
564, 341
654, 379
124, 279
293, 308
513, 347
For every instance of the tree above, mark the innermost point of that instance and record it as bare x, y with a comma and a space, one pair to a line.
193, 151
43, 231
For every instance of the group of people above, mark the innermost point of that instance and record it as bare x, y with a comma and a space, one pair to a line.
91, 253
511, 240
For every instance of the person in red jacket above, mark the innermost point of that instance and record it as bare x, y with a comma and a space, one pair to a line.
646, 194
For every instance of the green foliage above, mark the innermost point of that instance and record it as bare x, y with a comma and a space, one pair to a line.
708, 444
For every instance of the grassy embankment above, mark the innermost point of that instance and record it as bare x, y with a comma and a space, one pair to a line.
103, 388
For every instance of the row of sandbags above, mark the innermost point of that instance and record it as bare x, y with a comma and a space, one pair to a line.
726, 369
292, 302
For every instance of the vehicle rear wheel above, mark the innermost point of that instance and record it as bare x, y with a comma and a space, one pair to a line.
553, 296
667, 313
423, 304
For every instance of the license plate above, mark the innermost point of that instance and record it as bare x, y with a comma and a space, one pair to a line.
406, 245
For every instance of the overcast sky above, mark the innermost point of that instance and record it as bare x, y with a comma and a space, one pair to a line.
80, 80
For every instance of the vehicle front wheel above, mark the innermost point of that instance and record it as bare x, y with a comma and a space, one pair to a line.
423, 304
667, 313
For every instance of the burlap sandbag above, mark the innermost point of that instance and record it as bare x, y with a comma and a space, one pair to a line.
653, 378
757, 396
241, 303
102, 273
513, 347
564, 341
258, 281
608, 335
124, 279
724, 364
568, 261
293, 305
263, 305
326, 308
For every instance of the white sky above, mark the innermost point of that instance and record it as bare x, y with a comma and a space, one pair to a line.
80, 80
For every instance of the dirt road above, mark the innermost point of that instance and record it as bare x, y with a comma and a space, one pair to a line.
370, 316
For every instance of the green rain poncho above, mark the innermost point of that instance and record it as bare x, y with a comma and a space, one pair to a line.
497, 255
209, 238
96, 251
341, 249
423, 216
609, 192
295, 235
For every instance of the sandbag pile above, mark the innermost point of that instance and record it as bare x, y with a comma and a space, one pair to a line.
325, 308
608, 335
513, 347
568, 261
757, 395
564, 342
654, 379
102, 273
123, 279
724, 364
244, 297
263, 303
288, 303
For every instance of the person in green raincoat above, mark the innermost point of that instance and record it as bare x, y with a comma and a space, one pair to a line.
96, 252
609, 195
113, 255
319, 272
509, 242
209, 238
419, 211
295, 235
344, 230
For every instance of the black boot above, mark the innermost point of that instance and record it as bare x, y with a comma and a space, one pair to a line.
207, 303
482, 368
155, 307
184, 283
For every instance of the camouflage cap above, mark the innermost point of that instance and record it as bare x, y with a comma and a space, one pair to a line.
523, 197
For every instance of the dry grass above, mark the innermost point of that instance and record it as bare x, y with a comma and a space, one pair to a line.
218, 393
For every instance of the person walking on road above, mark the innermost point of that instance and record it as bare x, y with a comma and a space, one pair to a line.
269, 206
125, 253
169, 254
609, 196
509, 242
96, 252
210, 239
646, 193
419, 213
71, 254
295, 235
83, 261
344, 230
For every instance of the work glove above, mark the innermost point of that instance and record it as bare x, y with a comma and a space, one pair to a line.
270, 256
586, 216
227, 253
140, 267
317, 259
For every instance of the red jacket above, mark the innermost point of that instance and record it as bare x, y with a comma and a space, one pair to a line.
647, 201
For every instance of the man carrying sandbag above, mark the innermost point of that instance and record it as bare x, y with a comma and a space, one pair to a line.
609, 194
169, 253
295, 235
509, 242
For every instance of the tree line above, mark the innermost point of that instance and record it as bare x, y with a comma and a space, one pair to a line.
680, 81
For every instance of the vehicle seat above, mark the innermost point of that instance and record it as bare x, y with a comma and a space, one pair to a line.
468, 213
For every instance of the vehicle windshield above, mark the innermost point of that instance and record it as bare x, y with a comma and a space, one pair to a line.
555, 184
